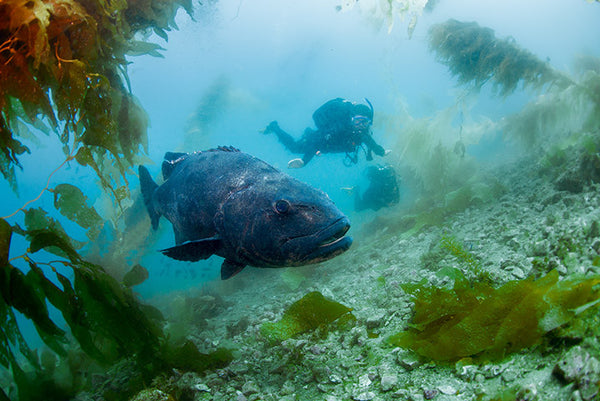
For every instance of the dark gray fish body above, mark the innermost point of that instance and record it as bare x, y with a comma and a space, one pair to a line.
228, 203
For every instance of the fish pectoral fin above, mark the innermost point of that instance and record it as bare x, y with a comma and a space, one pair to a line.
230, 269
192, 251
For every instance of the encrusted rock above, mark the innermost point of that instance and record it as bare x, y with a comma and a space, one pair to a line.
152, 394
388, 382
249, 388
579, 367
572, 365
361, 395
408, 361
447, 389
528, 393
364, 381
375, 320
430, 393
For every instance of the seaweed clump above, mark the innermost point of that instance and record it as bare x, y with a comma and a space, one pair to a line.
475, 55
480, 321
308, 313
63, 69
103, 316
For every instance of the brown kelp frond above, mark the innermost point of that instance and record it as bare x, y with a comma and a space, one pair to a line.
475, 56
63, 68
477, 320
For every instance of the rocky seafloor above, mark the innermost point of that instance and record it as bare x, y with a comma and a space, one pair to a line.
541, 215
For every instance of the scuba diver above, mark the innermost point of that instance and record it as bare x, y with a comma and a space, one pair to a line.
382, 192
342, 127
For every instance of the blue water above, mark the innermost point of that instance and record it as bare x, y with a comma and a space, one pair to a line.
280, 60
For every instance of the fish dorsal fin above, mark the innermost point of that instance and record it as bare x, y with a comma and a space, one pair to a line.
192, 251
171, 161
224, 149
230, 268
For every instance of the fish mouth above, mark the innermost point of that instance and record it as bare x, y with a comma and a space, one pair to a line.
336, 237
334, 243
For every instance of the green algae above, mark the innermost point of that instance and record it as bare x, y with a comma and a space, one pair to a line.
308, 313
481, 321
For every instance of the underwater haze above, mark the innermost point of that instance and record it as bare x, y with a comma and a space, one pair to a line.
481, 282
241, 65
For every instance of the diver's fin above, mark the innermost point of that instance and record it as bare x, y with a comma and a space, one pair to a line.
230, 269
193, 251
148, 186
171, 160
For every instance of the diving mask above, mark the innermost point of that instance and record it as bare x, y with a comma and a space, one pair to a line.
361, 123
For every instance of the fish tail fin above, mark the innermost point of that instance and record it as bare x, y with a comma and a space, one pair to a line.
148, 187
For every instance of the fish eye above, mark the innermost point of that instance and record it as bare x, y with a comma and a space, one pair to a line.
282, 206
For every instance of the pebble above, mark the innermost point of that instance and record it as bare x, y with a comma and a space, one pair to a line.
363, 396
408, 361
447, 389
202, 387
250, 388
375, 320
388, 382
364, 381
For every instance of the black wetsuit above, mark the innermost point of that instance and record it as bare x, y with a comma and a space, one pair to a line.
382, 192
334, 134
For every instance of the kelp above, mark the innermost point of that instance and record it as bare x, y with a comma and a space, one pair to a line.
63, 68
308, 313
475, 56
477, 320
103, 316
63, 71
552, 116
388, 12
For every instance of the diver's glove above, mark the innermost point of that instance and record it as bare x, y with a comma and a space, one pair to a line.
387, 152
273, 126
296, 163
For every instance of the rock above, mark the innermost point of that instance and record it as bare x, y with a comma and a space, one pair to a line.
578, 367
201, 387
408, 361
447, 389
388, 382
363, 395
571, 366
364, 381
528, 393
249, 388
430, 393
540, 248
152, 394
594, 230
375, 320
570, 182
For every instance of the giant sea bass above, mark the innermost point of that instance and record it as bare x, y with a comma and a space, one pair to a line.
231, 204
